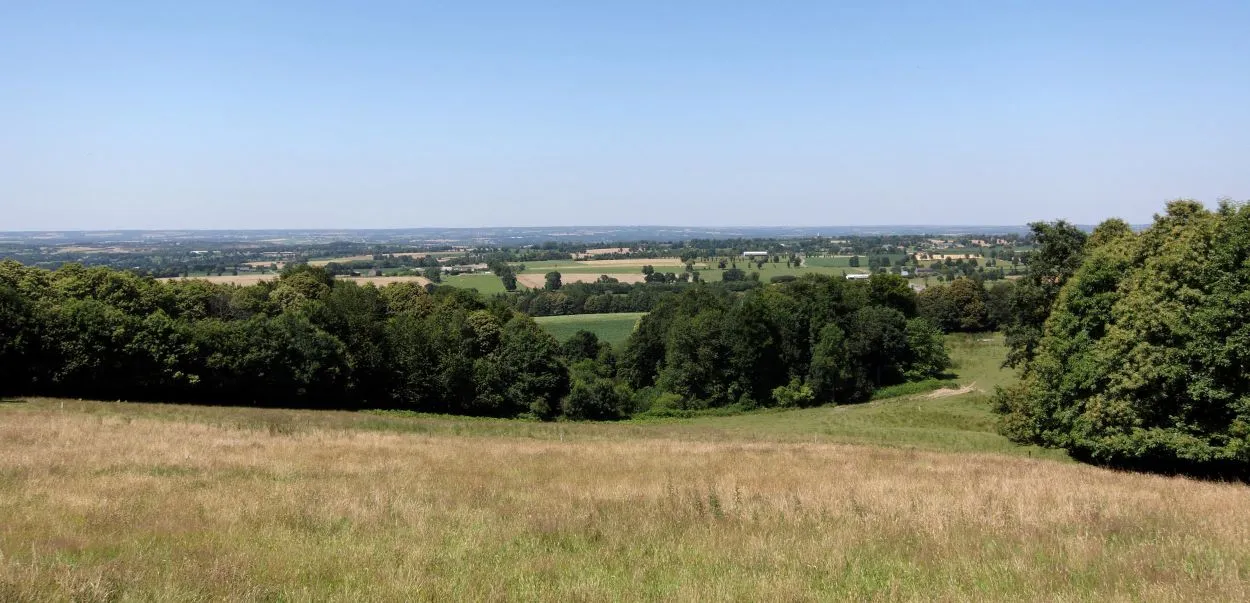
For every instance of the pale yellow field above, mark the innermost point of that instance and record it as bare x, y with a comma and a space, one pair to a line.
535, 280
252, 279
265, 264
342, 260
944, 257
88, 249
382, 281
106, 503
601, 251
633, 262
226, 279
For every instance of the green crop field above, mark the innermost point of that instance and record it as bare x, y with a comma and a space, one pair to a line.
486, 284
910, 498
612, 328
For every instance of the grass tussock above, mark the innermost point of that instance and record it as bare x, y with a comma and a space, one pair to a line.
100, 503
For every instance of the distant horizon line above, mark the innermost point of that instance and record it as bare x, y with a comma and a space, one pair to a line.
550, 227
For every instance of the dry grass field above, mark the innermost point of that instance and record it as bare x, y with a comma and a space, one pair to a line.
226, 279
630, 263
535, 280
265, 264
147, 502
252, 279
601, 251
342, 260
382, 281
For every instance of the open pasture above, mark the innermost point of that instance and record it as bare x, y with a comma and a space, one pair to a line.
907, 498
107, 501
612, 328
486, 284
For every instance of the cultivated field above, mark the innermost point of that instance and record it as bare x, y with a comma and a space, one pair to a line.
382, 281
602, 251
369, 257
632, 263
612, 328
242, 279
342, 260
535, 280
252, 279
611, 267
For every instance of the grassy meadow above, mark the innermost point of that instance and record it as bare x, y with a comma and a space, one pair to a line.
486, 284
612, 328
907, 498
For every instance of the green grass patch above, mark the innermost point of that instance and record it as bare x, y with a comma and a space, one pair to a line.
612, 328
486, 284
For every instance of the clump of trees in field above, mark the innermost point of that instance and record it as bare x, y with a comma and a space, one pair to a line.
967, 305
1135, 346
814, 340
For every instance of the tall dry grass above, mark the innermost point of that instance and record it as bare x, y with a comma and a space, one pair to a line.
108, 506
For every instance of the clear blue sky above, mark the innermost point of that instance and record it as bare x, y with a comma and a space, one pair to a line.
229, 114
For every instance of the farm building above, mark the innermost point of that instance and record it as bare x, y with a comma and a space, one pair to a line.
755, 254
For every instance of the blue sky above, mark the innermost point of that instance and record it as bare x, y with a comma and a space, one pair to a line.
228, 114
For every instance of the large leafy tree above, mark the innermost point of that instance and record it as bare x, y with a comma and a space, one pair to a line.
960, 306
1144, 359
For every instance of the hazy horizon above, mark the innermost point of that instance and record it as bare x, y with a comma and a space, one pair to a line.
318, 115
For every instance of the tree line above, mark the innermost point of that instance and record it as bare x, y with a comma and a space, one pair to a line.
309, 340
303, 340
607, 295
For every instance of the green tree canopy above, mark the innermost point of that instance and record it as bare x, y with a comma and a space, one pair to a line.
1143, 362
